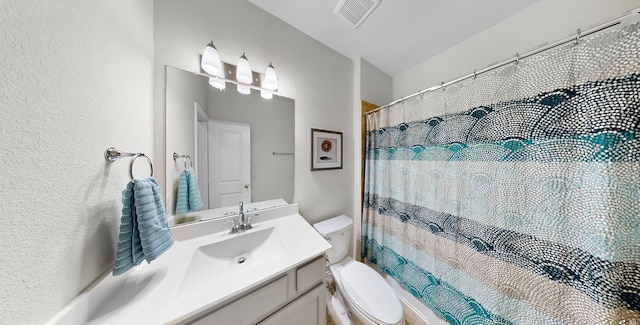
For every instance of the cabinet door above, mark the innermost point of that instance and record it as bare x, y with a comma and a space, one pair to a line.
251, 307
309, 309
309, 275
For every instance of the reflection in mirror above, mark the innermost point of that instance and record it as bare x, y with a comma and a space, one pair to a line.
241, 145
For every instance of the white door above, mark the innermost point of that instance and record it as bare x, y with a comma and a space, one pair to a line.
229, 163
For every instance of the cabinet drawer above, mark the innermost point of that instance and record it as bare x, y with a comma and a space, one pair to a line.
252, 307
309, 275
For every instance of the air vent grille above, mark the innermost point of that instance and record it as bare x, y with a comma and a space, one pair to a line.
355, 11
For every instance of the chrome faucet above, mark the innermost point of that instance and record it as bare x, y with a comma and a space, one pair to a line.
243, 223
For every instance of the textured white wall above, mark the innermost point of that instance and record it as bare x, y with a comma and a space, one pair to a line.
543, 22
317, 78
76, 78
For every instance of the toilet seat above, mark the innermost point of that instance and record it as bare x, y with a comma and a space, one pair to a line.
370, 293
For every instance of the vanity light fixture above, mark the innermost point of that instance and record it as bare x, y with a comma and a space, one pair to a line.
219, 73
212, 64
244, 75
266, 94
243, 70
211, 61
217, 83
245, 90
270, 78
270, 82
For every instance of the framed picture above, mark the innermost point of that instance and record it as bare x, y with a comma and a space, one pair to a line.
326, 149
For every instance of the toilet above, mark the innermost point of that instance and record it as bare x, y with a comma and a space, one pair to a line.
366, 294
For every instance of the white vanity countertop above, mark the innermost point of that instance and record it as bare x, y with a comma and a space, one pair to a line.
156, 293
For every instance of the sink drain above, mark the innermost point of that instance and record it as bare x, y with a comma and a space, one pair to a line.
241, 260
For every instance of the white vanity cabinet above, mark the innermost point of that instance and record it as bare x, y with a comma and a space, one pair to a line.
270, 274
295, 297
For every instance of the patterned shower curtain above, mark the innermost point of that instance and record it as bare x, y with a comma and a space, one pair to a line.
514, 197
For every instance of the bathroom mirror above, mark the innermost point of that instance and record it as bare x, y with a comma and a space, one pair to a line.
195, 110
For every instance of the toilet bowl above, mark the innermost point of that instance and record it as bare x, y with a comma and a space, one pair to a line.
368, 297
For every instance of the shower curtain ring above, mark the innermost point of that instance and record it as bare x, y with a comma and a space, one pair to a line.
517, 58
578, 36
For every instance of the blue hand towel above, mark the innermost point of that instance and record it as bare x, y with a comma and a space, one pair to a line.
182, 196
188, 196
144, 231
195, 201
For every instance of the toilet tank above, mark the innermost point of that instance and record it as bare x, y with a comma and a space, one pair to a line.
337, 231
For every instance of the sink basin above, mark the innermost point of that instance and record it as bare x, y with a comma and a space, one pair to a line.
239, 245
234, 254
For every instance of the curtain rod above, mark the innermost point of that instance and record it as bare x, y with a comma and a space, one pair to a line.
574, 38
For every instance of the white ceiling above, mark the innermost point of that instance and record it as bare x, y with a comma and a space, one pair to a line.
399, 34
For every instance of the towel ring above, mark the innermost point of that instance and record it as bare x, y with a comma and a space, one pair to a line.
134, 159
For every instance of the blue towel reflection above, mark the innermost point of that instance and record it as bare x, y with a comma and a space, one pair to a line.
188, 197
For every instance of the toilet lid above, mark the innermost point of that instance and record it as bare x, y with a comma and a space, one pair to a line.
370, 293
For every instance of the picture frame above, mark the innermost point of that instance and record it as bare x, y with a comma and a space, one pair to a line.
326, 149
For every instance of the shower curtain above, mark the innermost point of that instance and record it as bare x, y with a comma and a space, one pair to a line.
514, 197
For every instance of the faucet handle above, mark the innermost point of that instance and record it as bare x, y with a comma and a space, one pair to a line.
248, 224
234, 225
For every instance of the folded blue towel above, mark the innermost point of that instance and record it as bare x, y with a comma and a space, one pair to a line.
188, 196
144, 230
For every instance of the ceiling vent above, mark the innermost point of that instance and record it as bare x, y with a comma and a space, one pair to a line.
355, 11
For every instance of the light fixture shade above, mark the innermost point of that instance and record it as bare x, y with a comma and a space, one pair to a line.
266, 94
243, 71
244, 89
211, 61
217, 83
270, 78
